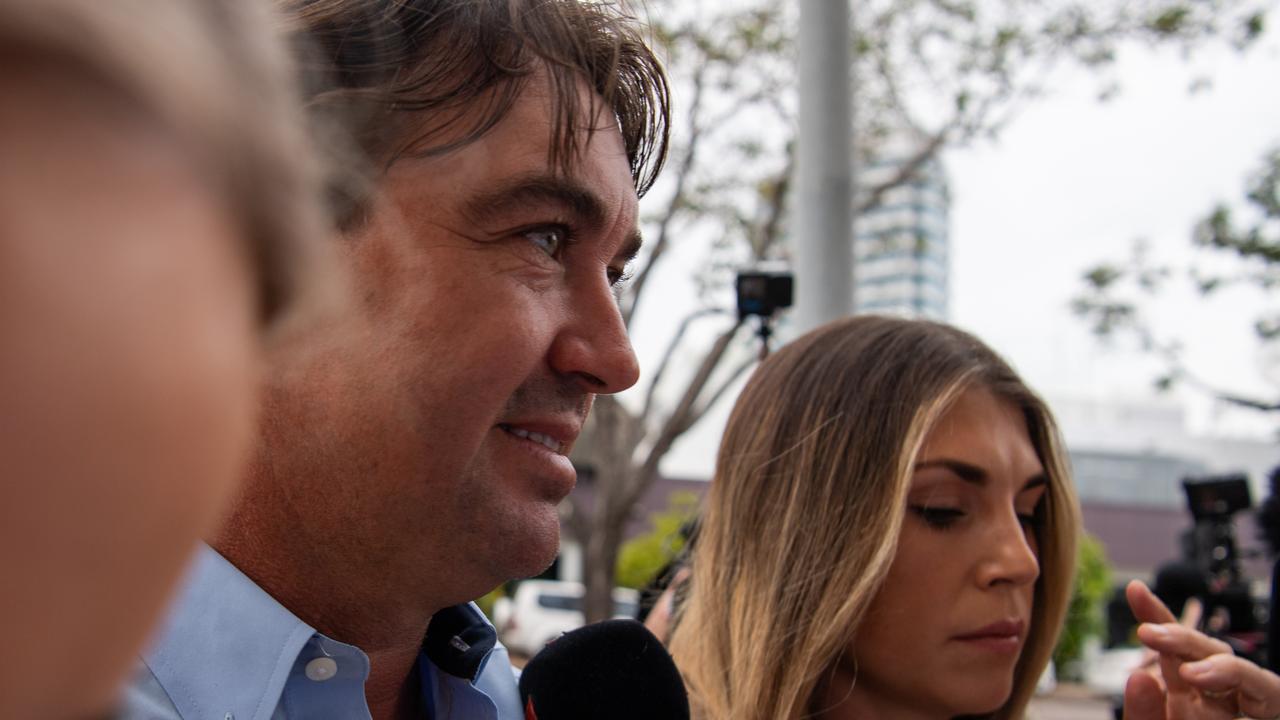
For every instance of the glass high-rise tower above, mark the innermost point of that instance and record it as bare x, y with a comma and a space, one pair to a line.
901, 249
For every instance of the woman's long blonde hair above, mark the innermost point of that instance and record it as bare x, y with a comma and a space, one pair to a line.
802, 519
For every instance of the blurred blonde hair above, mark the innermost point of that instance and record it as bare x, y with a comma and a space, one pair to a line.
213, 74
802, 519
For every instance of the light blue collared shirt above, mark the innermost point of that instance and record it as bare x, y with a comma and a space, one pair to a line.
229, 651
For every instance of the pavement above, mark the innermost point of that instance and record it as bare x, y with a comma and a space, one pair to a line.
1069, 702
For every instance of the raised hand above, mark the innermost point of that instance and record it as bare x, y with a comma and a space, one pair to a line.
1194, 676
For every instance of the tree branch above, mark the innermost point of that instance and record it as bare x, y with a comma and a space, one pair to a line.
719, 392
678, 421
1180, 372
670, 352
777, 202
683, 172
876, 194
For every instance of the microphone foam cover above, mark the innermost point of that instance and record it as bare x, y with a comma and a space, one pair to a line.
612, 669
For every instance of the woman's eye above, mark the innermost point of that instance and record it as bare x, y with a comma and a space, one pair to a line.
939, 518
549, 240
1033, 519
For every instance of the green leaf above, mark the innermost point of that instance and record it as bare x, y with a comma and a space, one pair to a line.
642, 557
1253, 27
1267, 328
1084, 614
1102, 277
1171, 21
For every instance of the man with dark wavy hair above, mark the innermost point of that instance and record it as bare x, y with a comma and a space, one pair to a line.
413, 454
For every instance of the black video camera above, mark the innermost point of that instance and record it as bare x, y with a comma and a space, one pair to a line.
762, 293
1211, 543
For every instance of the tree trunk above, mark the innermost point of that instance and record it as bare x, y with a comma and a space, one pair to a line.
600, 558
607, 445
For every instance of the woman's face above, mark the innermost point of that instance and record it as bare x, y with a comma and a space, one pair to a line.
943, 635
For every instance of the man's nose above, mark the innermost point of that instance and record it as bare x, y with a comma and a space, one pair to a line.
593, 345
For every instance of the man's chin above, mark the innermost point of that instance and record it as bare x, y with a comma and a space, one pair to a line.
536, 548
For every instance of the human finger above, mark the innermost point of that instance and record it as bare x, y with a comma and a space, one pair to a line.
1191, 618
659, 619
1168, 662
1144, 697
1257, 689
1181, 642
1145, 605
1147, 608
1192, 611
1177, 644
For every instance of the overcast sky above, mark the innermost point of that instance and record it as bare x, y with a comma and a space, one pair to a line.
1072, 182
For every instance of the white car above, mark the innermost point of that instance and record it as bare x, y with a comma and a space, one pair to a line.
543, 610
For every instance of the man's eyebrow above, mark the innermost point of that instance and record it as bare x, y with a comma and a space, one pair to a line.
631, 249
977, 476
538, 189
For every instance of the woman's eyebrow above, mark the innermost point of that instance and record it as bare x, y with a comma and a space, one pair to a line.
977, 476
967, 472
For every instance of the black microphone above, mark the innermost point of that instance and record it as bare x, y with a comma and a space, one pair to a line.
613, 669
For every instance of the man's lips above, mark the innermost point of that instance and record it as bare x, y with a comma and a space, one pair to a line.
556, 436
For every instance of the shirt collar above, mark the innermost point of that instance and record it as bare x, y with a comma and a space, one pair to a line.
459, 641
227, 645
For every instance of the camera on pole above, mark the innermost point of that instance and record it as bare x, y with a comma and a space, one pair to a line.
761, 293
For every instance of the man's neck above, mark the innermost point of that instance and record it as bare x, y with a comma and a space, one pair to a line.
345, 608
395, 693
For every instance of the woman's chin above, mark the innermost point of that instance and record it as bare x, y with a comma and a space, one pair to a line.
982, 704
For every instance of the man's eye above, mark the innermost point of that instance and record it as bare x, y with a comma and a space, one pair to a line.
618, 278
939, 518
549, 240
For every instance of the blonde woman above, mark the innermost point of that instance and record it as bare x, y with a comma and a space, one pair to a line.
890, 533
159, 219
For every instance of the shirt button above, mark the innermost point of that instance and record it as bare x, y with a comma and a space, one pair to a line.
321, 669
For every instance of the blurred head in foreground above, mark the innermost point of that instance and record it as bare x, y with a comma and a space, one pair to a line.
158, 215
890, 532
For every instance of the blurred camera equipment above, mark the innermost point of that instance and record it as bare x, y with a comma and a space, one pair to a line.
1210, 547
1213, 500
761, 293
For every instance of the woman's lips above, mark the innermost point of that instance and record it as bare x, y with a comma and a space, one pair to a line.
1002, 636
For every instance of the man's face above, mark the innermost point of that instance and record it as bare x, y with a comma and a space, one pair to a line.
434, 436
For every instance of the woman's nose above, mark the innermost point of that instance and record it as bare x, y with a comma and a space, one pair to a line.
1012, 556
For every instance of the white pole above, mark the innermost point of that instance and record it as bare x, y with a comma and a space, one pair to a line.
824, 166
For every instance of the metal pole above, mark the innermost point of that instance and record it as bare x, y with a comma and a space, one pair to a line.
824, 166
